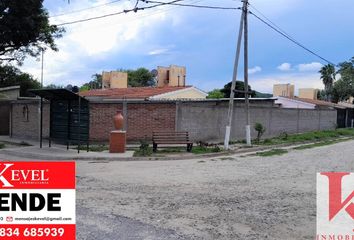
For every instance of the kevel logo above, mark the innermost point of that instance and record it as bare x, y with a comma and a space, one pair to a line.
24, 176
335, 205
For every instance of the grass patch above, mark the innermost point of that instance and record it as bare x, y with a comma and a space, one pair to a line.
94, 148
203, 150
172, 150
2, 145
309, 136
272, 152
195, 150
143, 152
319, 144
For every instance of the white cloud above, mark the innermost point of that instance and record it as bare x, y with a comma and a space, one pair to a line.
254, 70
300, 80
97, 40
284, 67
158, 51
310, 67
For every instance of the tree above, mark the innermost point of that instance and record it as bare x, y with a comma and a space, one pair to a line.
328, 75
344, 87
240, 86
54, 86
25, 30
140, 78
215, 94
346, 69
11, 76
95, 83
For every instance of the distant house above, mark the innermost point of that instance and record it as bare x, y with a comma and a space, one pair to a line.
10, 93
304, 103
146, 93
345, 111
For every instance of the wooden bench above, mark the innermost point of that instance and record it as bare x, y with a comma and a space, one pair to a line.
165, 137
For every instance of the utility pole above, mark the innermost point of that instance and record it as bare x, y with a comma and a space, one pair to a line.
41, 106
234, 78
247, 102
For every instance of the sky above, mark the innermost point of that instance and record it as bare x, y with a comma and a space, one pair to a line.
203, 40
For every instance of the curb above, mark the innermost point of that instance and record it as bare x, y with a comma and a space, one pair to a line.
250, 150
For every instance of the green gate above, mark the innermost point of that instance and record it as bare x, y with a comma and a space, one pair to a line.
69, 117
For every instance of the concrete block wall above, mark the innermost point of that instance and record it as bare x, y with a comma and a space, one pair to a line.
282, 120
207, 122
22, 126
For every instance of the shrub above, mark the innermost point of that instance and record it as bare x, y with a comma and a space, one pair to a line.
144, 149
260, 130
284, 136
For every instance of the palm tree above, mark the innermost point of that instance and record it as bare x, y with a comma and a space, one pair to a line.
328, 75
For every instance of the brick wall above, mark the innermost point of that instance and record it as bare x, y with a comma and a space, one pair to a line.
27, 126
101, 120
141, 119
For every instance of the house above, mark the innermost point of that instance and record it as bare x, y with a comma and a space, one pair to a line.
146, 93
345, 111
305, 103
10, 93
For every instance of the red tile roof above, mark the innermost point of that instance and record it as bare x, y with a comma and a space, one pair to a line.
131, 92
316, 102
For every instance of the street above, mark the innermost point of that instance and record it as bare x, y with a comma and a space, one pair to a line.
233, 197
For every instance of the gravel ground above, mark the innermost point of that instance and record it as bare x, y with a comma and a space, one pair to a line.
222, 198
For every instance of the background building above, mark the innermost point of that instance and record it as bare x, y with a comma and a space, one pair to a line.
114, 79
308, 93
283, 90
173, 76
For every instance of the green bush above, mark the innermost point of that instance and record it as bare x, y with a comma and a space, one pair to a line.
260, 130
144, 149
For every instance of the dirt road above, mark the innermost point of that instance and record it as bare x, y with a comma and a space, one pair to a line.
221, 198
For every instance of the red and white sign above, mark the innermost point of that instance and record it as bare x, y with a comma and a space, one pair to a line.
335, 205
37, 200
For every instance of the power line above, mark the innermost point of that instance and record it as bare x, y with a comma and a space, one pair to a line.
143, 15
284, 34
195, 6
85, 9
135, 9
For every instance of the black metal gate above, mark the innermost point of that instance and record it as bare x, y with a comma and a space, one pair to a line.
5, 107
65, 123
341, 118
69, 117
